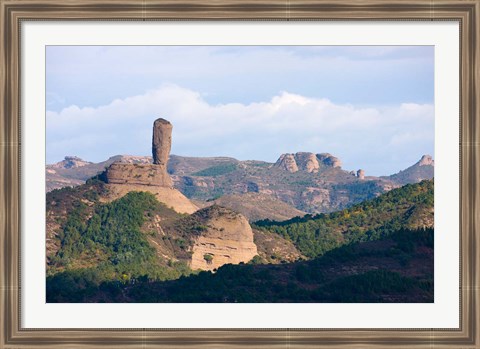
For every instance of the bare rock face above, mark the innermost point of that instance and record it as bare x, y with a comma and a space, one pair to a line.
161, 141
361, 174
227, 239
426, 160
307, 162
143, 174
287, 162
329, 160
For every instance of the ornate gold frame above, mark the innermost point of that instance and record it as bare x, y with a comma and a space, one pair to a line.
13, 12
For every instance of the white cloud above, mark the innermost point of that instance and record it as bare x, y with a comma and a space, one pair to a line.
365, 137
95, 75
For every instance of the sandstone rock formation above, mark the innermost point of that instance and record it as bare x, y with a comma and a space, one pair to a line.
422, 169
146, 174
161, 141
227, 239
426, 160
287, 162
143, 174
122, 177
329, 160
307, 162
361, 174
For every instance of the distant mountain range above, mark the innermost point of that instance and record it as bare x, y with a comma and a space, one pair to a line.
298, 183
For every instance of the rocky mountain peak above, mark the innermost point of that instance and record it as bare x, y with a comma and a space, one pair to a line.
426, 160
308, 162
71, 162
423, 169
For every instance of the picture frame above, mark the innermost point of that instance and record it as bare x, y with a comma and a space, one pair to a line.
13, 13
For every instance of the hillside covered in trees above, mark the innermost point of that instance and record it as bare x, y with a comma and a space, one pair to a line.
410, 206
398, 268
380, 250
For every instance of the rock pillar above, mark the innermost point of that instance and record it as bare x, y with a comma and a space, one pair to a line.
161, 141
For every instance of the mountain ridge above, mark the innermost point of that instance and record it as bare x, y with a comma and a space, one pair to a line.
315, 187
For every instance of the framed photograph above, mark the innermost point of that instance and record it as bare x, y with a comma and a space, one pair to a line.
225, 174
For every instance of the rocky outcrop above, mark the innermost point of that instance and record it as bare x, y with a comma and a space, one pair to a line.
422, 169
329, 160
227, 238
307, 162
70, 162
142, 174
426, 160
161, 142
128, 170
137, 174
287, 162
361, 174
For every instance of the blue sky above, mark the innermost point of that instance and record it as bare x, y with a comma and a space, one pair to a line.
371, 106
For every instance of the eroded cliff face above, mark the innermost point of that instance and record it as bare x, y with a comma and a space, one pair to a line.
141, 174
227, 238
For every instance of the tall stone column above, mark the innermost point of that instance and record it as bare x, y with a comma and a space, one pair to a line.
161, 141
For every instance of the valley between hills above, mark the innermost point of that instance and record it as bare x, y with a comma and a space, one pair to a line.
168, 228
